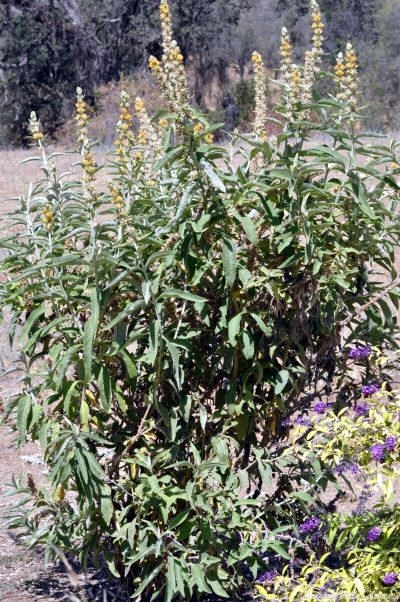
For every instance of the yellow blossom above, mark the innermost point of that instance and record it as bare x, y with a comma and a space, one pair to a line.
34, 127
154, 64
198, 128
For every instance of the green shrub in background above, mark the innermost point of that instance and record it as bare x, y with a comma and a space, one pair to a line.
176, 326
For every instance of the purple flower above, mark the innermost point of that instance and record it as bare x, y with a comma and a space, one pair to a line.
390, 579
303, 421
346, 466
360, 352
377, 451
321, 407
398, 417
368, 390
266, 577
390, 443
374, 534
310, 524
361, 409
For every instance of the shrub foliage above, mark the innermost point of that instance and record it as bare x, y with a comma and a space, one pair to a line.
175, 328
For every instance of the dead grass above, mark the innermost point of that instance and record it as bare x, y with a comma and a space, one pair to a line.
16, 174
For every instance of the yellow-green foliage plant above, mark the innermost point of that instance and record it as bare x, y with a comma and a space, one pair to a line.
177, 327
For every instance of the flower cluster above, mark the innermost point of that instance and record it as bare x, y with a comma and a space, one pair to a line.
361, 409
321, 407
88, 164
170, 71
346, 72
346, 466
371, 389
125, 139
374, 534
360, 352
309, 525
147, 134
34, 127
390, 443
303, 421
313, 57
267, 577
286, 51
378, 450
48, 218
260, 80
390, 578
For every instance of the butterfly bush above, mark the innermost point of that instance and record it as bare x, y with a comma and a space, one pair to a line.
207, 343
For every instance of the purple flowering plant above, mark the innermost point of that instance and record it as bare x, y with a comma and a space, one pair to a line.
360, 352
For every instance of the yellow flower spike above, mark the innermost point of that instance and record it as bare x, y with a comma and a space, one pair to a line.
34, 127
154, 64
346, 72
256, 58
125, 139
286, 51
162, 123
165, 11
339, 68
88, 164
142, 138
139, 105
59, 495
260, 83
170, 71
313, 57
198, 128
209, 138
260, 79
148, 134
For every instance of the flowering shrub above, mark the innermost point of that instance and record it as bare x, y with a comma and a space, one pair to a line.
196, 341
351, 556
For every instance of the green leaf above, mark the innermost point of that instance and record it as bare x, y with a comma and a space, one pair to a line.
261, 324
130, 310
107, 508
302, 495
265, 472
212, 175
234, 328
203, 416
216, 586
171, 581
105, 387
24, 409
248, 345
84, 414
176, 293
88, 335
33, 317
281, 381
248, 227
198, 575
229, 261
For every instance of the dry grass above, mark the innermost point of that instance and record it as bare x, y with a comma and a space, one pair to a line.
16, 174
